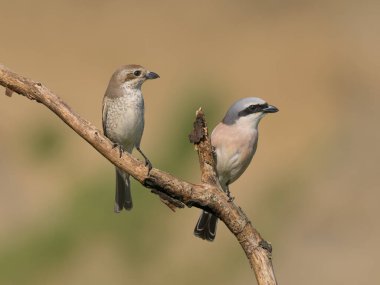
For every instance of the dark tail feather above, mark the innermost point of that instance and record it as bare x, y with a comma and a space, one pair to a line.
128, 205
123, 198
206, 226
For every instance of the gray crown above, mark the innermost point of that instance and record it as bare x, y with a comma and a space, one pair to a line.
233, 112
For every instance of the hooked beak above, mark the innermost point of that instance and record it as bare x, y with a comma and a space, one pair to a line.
270, 109
151, 75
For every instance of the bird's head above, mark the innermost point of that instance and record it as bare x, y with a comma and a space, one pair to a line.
248, 111
132, 76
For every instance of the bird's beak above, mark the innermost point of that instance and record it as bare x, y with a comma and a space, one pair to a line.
151, 75
270, 109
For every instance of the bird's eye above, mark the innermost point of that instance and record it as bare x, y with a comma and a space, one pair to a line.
252, 107
137, 73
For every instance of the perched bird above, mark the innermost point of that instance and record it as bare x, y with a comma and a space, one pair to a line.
234, 141
123, 121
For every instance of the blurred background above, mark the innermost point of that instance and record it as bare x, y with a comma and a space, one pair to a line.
312, 189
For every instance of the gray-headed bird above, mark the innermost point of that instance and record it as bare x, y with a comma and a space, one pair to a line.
235, 142
123, 121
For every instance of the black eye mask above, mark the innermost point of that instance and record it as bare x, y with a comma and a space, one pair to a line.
252, 109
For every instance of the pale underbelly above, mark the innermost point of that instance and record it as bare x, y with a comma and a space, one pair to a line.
127, 129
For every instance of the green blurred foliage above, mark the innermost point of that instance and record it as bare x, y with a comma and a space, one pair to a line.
43, 142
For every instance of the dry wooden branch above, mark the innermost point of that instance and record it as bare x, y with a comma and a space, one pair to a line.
205, 196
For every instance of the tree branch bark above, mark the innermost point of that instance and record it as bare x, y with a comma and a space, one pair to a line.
206, 195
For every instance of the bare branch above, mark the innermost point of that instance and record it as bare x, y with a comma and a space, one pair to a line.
199, 137
178, 192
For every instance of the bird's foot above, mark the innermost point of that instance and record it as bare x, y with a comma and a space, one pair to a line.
121, 150
148, 164
147, 161
230, 198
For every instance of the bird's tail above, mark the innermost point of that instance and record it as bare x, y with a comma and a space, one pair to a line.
123, 197
206, 226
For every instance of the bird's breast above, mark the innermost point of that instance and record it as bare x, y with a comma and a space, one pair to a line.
125, 120
234, 148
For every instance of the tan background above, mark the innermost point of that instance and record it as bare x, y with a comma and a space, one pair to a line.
312, 189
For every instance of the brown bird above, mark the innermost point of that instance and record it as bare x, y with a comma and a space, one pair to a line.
123, 121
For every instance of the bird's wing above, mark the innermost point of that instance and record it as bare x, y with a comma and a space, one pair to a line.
104, 114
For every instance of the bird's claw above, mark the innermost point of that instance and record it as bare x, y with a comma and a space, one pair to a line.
120, 148
230, 198
149, 165
147, 161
